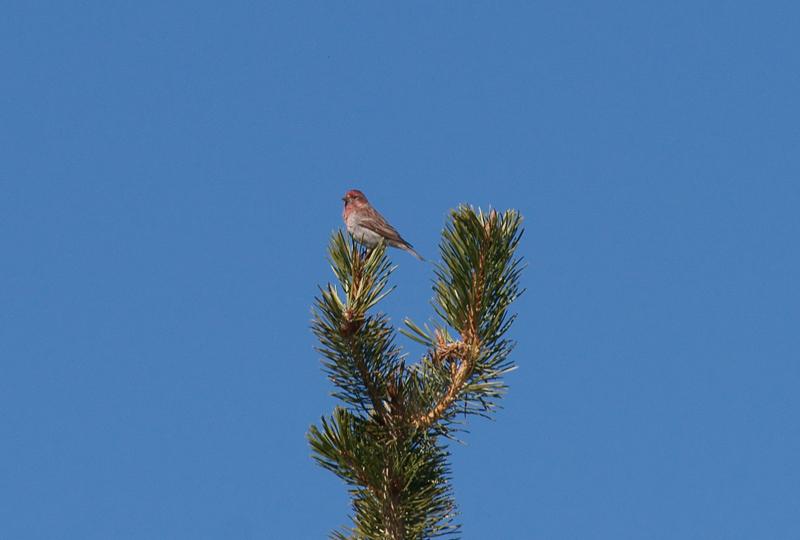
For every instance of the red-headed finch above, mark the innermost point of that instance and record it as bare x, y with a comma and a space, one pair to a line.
368, 227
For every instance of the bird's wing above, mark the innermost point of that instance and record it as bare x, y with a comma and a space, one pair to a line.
372, 220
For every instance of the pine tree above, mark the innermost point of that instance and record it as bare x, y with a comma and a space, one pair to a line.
387, 440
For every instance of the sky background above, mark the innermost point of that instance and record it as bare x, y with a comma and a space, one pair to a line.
170, 173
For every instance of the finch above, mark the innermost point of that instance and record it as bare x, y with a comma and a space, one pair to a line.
368, 227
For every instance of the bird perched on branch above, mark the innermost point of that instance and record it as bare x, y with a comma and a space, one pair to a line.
368, 227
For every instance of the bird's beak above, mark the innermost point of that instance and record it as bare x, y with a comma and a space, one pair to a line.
344, 199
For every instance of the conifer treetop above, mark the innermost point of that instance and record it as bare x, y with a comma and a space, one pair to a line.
384, 440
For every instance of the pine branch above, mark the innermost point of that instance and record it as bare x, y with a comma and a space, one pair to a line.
359, 350
478, 280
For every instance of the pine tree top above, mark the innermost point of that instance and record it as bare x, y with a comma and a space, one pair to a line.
385, 438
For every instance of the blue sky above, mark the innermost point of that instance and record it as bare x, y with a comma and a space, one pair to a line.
171, 173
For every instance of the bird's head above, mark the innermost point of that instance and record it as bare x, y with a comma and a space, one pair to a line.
354, 197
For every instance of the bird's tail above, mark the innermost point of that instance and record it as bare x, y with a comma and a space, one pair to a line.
411, 250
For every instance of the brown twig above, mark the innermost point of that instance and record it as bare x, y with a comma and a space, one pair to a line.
459, 373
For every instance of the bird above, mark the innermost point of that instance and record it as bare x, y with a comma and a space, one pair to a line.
368, 227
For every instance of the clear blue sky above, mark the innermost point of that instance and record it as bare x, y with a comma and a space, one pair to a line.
170, 175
